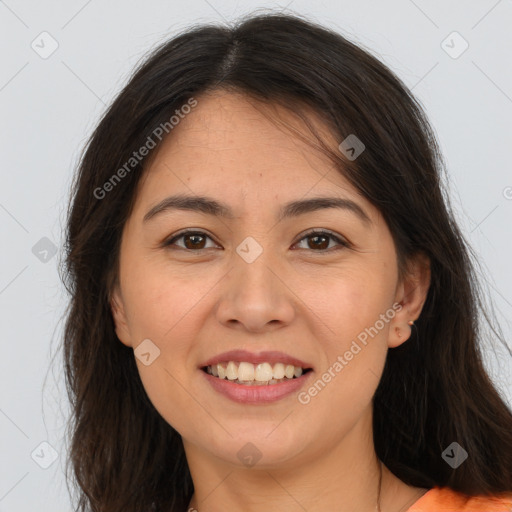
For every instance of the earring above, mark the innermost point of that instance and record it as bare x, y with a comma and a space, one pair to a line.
410, 322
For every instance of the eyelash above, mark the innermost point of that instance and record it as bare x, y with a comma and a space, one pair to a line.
343, 243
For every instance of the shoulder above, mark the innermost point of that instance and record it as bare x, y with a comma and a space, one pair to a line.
444, 499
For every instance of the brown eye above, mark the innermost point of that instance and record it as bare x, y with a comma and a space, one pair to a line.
192, 240
319, 241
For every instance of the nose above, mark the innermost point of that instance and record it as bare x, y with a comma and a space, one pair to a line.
256, 296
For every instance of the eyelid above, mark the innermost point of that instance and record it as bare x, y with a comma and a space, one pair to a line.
342, 241
188, 231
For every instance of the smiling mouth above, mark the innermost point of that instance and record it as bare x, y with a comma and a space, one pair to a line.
248, 374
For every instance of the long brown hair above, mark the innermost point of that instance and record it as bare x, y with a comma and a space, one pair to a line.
434, 390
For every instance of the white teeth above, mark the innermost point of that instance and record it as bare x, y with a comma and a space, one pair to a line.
250, 374
246, 371
231, 371
289, 371
278, 371
263, 372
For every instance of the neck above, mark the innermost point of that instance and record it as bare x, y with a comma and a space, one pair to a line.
344, 476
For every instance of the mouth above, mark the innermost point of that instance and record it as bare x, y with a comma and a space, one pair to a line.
260, 374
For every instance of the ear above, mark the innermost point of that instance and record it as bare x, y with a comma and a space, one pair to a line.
411, 294
119, 316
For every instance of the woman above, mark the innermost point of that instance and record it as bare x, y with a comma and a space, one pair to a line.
270, 301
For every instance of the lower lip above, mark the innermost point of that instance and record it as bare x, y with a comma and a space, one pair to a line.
256, 394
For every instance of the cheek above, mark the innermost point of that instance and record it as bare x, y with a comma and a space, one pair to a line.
354, 336
162, 303
168, 317
167, 308
346, 304
167, 387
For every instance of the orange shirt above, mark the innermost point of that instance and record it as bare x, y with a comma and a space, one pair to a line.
444, 499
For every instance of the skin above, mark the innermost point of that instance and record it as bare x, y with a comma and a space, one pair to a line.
305, 301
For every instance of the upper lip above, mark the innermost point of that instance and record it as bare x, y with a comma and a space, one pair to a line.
271, 357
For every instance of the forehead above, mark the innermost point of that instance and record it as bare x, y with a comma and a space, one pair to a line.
236, 148
224, 122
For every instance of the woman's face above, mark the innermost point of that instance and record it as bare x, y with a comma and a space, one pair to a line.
254, 279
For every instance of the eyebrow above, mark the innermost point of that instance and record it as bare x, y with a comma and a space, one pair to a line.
210, 206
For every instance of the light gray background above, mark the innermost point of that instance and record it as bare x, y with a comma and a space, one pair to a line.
49, 106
